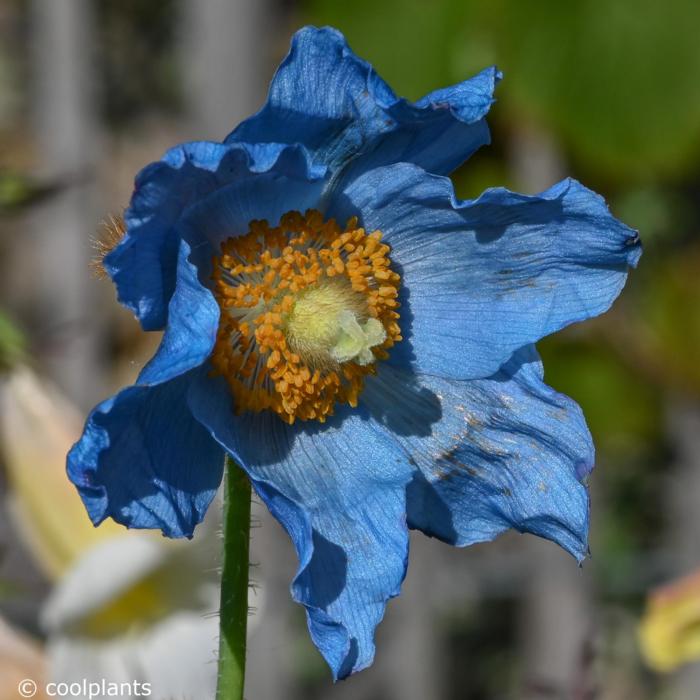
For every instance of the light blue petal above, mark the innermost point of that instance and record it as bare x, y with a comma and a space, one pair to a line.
143, 265
333, 102
145, 462
339, 490
490, 454
482, 278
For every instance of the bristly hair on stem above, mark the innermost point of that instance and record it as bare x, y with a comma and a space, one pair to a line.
234, 611
112, 230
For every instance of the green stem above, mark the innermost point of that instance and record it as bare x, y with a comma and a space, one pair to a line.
234, 583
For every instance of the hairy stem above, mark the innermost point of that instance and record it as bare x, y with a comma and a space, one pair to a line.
234, 583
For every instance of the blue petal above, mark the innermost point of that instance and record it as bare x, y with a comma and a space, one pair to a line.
228, 211
143, 265
482, 278
497, 453
339, 490
193, 320
145, 462
333, 102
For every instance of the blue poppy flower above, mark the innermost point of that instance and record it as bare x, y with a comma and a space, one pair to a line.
356, 337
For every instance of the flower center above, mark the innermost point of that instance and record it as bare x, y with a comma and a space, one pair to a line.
307, 309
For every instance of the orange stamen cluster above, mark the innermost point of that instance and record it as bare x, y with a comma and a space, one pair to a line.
259, 278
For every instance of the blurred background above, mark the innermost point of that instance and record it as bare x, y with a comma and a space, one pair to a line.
93, 90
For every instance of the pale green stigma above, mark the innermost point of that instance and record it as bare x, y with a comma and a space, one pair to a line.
355, 341
329, 325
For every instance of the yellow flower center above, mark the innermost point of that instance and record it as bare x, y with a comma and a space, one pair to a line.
307, 308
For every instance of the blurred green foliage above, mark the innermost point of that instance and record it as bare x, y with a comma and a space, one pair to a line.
19, 190
12, 344
15, 191
609, 391
617, 81
668, 319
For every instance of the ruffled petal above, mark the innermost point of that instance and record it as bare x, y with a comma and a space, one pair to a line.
145, 462
193, 319
498, 453
325, 97
339, 490
481, 278
228, 211
143, 265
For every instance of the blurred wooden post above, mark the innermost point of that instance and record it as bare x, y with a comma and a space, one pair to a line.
226, 56
411, 641
555, 623
66, 137
683, 421
556, 627
271, 645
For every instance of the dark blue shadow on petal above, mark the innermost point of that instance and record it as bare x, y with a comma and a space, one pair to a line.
328, 567
423, 499
349, 663
397, 401
525, 359
487, 228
